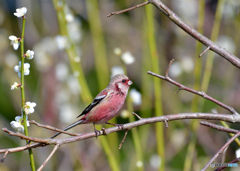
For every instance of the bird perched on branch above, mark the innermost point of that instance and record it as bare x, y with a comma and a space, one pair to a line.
106, 104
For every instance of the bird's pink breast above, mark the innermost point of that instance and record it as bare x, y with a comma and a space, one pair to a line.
106, 110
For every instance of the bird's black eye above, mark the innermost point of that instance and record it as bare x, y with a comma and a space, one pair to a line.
123, 81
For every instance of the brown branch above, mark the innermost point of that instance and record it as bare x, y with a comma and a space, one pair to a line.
52, 128
5, 155
137, 115
200, 93
219, 128
233, 161
221, 150
128, 126
195, 34
129, 9
48, 158
120, 145
191, 31
204, 52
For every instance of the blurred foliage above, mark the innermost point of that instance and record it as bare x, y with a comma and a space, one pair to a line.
54, 82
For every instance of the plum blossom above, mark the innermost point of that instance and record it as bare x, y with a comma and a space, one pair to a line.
14, 42
135, 96
29, 107
127, 58
18, 124
117, 51
17, 69
20, 12
116, 70
14, 86
29, 54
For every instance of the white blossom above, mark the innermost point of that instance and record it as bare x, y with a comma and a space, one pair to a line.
127, 58
14, 42
62, 42
29, 54
139, 163
117, 51
116, 70
18, 124
125, 114
20, 12
155, 161
14, 86
29, 107
135, 96
17, 69
175, 69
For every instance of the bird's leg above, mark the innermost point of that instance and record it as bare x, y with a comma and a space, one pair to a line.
119, 125
96, 131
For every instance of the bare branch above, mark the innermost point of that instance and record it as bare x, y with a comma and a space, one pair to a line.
34, 139
219, 128
221, 150
233, 161
52, 128
120, 145
129, 9
5, 155
195, 34
137, 115
170, 63
128, 126
204, 52
200, 93
48, 158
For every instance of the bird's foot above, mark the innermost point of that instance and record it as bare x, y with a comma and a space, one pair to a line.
97, 132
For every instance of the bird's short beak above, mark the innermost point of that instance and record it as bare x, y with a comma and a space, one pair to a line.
130, 82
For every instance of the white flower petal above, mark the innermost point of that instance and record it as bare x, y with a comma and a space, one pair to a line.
127, 58
116, 70
12, 37
14, 86
20, 12
135, 96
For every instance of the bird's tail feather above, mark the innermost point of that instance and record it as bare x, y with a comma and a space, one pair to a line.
68, 127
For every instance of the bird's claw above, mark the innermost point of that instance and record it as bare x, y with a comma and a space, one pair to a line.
97, 132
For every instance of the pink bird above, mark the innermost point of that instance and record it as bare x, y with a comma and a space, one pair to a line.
106, 104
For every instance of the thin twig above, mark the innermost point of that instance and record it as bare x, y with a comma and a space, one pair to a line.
48, 158
204, 52
169, 65
219, 128
221, 150
233, 161
200, 93
5, 155
137, 115
129, 9
120, 145
195, 34
166, 123
52, 128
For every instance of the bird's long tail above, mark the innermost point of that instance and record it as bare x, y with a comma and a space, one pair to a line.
68, 127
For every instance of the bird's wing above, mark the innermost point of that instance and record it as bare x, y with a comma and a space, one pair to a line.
96, 101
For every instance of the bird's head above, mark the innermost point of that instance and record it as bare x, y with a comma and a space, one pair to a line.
120, 82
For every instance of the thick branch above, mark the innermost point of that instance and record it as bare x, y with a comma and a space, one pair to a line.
143, 121
195, 34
